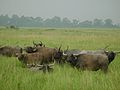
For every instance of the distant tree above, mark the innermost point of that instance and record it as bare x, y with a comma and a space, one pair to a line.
98, 23
14, 20
85, 24
47, 22
26, 21
4, 20
66, 22
56, 21
38, 21
108, 23
75, 22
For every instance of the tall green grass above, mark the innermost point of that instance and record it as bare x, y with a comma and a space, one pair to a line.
13, 76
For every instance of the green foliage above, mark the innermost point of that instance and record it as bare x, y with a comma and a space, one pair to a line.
13, 76
55, 21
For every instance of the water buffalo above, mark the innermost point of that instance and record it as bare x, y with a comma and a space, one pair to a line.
36, 60
30, 59
92, 61
10, 51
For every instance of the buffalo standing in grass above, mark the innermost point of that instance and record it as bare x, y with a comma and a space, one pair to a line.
42, 57
92, 61
10, 51
36, 60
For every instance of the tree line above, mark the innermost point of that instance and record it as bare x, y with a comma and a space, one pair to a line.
56, 21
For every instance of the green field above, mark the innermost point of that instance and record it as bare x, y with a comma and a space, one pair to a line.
13, 76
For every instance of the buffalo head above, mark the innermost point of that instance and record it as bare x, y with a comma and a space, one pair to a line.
58, 56
111, 55
72, 59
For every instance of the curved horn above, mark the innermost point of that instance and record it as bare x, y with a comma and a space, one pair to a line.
34, 49
106, 47
76, 54
60, 47
64, 54
41, 43
67, 48
38, 65
117, 52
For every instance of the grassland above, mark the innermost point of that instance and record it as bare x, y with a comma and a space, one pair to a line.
14, 77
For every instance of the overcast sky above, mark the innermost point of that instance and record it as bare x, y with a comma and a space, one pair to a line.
73, 9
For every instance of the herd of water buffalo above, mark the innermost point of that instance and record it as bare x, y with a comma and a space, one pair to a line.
43, 58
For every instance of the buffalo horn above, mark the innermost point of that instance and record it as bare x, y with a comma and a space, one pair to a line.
60, 47
75, 54
67, 48
64, 54
41, 43
38, 65
34, 49
106, 47
117, 52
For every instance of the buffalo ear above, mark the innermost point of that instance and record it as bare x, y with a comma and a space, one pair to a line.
64, 54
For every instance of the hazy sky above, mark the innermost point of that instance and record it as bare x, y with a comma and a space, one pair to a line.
73, 9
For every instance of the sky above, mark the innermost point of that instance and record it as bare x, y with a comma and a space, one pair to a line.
72, 9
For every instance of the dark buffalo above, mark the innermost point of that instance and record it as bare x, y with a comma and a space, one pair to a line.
92, 61
10, 51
